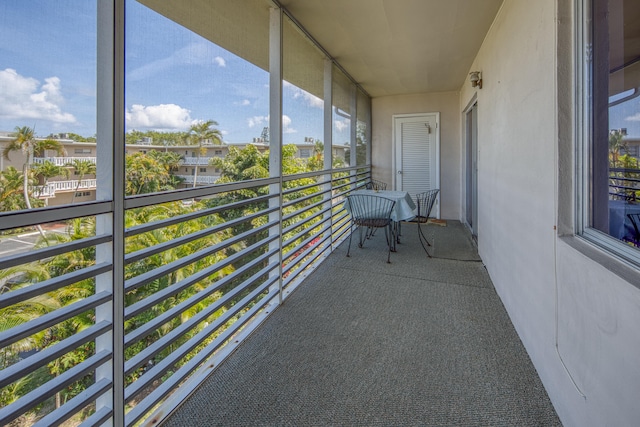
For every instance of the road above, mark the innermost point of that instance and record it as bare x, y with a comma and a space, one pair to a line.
22, 242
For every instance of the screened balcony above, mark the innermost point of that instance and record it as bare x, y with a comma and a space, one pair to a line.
146, 299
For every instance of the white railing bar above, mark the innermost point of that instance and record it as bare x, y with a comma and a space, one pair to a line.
142, 200
168, 385
287, 191
156, 347
303, 210
304, 199
304, 266
162, 294
138, 229
41, 394
154, 274
27, 218
293, 226
99, 418
149, 327
36, 325
297, 176
50, 251
30, 364
291, 252
71, 407
40, 288
161, 247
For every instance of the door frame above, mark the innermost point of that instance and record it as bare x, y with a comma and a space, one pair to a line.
471, 166
396, 153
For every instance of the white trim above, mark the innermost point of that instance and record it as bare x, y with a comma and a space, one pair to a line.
396, 154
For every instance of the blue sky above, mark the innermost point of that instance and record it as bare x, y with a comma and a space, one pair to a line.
173, 77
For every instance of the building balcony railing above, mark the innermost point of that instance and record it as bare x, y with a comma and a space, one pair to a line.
202, 179
63, 161
50, 190
128, 314
194, 161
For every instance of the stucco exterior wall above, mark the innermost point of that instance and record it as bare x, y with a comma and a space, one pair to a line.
383, 154
577, 316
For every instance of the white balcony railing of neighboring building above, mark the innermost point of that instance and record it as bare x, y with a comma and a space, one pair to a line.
194, 161
202, 179
62, 161
49, 190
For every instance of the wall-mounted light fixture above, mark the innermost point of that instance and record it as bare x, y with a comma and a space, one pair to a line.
475, 77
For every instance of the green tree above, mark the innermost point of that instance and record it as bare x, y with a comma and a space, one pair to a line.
199, 134
45, 171
25, 141
145, 174
82, 167
11, 198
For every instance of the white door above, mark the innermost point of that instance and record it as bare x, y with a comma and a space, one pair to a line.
417, 152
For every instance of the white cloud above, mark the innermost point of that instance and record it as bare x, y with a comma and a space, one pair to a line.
264, 121
243, 103
310, 100
257, 121
25, 98
159, 117
634, 118
341, 125
192, 54
286, 125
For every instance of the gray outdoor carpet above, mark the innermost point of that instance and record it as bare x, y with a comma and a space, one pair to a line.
418, 342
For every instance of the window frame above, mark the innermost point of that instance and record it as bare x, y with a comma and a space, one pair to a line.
584, 133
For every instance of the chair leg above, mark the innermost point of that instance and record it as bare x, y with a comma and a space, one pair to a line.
421, 236
361, 241
390, 239
350, 234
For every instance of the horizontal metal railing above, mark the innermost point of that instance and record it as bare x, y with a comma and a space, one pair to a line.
624, 184
197, 275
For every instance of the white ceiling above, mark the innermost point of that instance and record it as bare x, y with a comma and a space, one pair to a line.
395, 47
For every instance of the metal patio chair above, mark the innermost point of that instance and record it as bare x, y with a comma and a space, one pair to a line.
425, 202
370, 212
635, 221
374, 184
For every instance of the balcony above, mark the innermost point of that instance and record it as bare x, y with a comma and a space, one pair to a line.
53, 187
359, 339
194, 161
63, 161
416, 342
202, 179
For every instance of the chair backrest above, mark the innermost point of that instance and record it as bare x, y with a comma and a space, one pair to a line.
635, 221
370, 210
374, 184
425, 202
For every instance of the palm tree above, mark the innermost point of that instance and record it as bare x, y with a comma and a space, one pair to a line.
47, 170
82, 167
199, 133
25, 141
11, 190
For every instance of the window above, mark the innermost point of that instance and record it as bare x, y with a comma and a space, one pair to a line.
305, 153
203, 169
610, 78
82, 151
218, 152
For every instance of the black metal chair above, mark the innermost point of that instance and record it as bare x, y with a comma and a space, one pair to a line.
371, 212
425, 202
374, 184
635, 221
